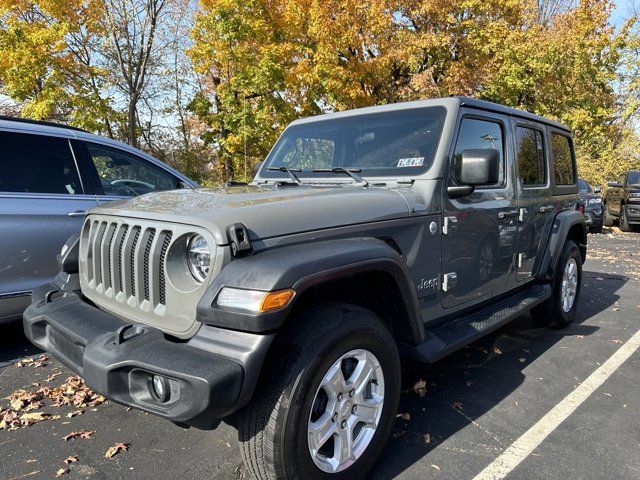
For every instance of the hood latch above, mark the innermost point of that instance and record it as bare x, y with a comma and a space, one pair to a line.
238, 236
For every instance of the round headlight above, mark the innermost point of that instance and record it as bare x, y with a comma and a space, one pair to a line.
198, 257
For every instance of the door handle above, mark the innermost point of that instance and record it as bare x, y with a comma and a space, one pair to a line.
547, 208
508, 213
77, 213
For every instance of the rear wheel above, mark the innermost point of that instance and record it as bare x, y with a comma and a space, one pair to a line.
607, 219
561, 308
624, 222
326, 404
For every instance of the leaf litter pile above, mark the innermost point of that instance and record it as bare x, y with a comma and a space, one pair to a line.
25, 406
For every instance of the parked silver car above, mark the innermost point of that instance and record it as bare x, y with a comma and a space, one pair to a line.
50, 176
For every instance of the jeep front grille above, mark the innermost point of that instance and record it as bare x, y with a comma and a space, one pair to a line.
136, 269
127, 261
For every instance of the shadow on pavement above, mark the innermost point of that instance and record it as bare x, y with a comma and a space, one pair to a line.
451, 405
13, 344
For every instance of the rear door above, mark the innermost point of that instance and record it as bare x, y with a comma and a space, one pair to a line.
535, 200
42, 202
477, 249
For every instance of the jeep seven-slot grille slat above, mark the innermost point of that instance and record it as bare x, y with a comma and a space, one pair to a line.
125, 261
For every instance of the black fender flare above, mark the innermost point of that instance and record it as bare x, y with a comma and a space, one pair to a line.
562, 224
301, 267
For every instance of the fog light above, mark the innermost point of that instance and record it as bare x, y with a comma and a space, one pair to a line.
160, 388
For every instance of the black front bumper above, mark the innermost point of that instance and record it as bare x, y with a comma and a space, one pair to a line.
210, 376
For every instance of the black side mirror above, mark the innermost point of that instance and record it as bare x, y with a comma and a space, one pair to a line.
257, 167
480, 167
597, 189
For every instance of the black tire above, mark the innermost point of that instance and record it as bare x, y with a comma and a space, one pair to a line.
624, 222
597, 229
607, 219
550, 313
272, 431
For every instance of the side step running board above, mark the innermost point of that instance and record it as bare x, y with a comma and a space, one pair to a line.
455, 334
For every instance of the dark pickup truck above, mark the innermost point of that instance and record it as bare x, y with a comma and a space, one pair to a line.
622, 201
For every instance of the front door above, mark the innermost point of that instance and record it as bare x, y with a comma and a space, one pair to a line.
535, 202
477, 249
42, 203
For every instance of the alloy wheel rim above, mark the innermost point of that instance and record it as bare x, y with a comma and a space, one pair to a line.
346, 411
569, 285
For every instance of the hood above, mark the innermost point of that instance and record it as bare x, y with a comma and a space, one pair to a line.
266, 211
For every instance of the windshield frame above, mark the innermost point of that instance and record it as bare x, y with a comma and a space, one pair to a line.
308, 176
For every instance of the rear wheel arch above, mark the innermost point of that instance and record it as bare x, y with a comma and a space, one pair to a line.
568, 225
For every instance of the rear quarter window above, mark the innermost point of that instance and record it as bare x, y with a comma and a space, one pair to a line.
563, 159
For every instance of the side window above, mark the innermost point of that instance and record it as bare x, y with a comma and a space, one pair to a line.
563, 160
532, 169
475, 134
622, 178
37, 164
121, 173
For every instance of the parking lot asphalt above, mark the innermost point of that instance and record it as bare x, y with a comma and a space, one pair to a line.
476, 404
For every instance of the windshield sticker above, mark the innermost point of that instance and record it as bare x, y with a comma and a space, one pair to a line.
411, 162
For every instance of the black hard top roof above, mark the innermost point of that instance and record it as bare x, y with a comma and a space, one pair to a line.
514, 112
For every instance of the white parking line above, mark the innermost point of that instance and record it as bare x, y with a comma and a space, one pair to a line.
527, 443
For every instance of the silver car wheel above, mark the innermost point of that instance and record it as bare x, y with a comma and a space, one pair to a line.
569, 285
346, 410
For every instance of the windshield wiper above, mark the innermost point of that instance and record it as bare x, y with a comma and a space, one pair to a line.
357, 178
288, 170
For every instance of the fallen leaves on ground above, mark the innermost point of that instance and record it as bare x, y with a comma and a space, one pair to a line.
86, 434
404, 416
73, 392
420, 388
617, 342
61, 472
497, 351
117, 448
35, 363
522, 360
71, 459
457, 405
427, 438
436, 467
53, 376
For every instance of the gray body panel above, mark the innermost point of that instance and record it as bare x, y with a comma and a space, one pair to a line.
267, 211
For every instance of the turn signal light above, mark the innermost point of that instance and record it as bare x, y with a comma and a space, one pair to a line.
275, 300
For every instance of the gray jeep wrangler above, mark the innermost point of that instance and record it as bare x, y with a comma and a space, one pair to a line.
284, 306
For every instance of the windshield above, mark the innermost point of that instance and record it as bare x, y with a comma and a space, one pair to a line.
584, 186
381, 144
634, 178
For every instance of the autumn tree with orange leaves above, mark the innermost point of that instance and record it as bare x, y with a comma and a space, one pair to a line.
266, 62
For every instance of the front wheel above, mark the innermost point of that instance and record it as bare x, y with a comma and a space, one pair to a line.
327, 401
561, 308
